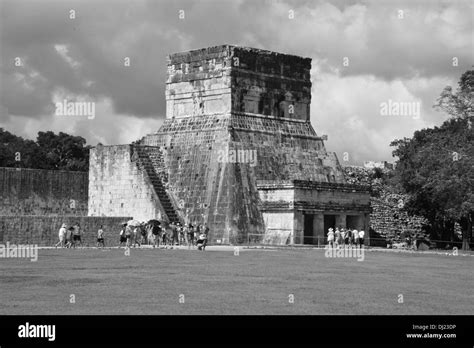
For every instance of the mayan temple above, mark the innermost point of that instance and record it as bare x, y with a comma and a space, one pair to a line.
237, 151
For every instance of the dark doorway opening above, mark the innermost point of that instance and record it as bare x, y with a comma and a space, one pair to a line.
352, 222
308, 229
329, 222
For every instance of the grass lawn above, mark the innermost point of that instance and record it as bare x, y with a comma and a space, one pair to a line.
217, 282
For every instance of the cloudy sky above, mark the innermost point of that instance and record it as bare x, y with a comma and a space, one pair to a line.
364, 53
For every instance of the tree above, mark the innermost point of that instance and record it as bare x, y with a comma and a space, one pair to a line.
63, 151
18, 152
435, 167
50, 151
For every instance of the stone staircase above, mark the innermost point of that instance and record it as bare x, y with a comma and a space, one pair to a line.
148, 159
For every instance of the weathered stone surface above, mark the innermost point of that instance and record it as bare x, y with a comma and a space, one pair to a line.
388, 219
42, 192
119, 187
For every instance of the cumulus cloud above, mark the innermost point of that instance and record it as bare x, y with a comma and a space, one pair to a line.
406, 56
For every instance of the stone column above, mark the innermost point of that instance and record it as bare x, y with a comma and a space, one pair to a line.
341, 220
318, 228
298, 227
366, 228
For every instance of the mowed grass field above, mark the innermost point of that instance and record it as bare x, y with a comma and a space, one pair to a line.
257, 281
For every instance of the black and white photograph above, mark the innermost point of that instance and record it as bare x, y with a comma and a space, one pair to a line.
191, 170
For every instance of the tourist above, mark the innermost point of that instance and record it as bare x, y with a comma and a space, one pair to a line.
337, 235
180, 234
128, 236
331, 238
100, 237
69, 237
62, 236
155, 230
190, 236
174, 233
355, 233
361, 237
355, 238
136, 232
76, 235
123, 239
348, 239
202, 242
343, 236
164, 235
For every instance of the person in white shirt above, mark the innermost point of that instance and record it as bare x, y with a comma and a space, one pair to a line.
331, 238
100, 237
62, 236
361, 238
355, 238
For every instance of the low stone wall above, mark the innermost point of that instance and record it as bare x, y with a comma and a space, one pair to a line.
25, 191
43, 230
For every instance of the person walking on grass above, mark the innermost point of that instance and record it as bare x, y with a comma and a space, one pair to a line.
69, 237
349, 237
331, 238
76, 235
128, 236
355, 238
62, 236
361, 237
190, 236
123, 239
100, 237
337, 236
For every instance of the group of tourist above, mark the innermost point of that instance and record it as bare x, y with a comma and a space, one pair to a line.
154, 232
345, 237
69, 237
176, 234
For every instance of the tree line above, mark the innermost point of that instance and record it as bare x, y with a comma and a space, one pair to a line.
436, 166
50, 151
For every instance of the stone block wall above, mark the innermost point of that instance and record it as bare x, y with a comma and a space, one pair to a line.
228, 78
118, 187
42, 192
43, 230
270, 83
198, 83
388, 220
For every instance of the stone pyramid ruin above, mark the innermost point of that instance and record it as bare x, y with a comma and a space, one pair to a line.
237, 152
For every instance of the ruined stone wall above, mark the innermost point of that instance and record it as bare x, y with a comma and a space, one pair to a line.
286, 150
284, 195
199, 83
42, 192
43, 230
203, 183
270, 83
388, 220
119, 187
